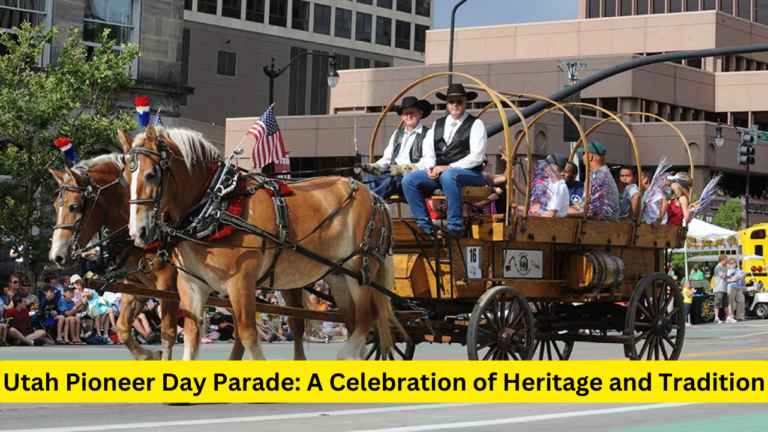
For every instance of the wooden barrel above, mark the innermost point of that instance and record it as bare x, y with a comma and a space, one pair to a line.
593, 269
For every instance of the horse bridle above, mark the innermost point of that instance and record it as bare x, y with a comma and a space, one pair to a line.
86, 194
162, 163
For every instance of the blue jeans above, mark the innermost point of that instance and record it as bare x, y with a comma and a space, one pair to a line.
384, 185
417, 185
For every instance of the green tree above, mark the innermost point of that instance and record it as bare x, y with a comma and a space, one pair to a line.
729, 215
71, 98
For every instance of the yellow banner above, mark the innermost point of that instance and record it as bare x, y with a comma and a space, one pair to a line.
385, 382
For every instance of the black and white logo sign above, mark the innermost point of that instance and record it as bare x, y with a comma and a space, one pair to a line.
523, 264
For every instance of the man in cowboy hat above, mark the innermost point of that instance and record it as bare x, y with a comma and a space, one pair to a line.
403, 153
453, 156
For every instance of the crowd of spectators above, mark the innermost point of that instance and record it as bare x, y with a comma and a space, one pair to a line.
62, 311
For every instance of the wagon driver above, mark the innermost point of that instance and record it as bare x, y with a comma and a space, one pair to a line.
453, 154
403, 153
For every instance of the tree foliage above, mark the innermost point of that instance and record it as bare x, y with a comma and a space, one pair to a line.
728, 216
70, 98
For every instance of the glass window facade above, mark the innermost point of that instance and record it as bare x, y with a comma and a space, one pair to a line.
343, 27
384, 31
322, 19
403, 34
363, 27
254, 10
300, 15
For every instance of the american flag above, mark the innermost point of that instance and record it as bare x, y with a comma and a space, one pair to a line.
269, 141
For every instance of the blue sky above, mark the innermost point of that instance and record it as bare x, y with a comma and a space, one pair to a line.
475, 13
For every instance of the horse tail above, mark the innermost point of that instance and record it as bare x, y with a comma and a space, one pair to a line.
386, 319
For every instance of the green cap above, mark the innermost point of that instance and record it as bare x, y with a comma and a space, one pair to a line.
595, 147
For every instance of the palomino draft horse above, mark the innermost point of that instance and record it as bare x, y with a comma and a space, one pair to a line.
333, 218
85, 193
89, 198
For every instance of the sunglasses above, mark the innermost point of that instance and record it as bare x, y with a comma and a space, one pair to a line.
14, 282
26, 284
455, 102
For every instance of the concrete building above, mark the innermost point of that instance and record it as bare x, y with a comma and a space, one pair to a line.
155, 26
524, 59
227, 43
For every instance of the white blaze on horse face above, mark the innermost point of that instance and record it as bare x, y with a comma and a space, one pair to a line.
133, 222
57, 246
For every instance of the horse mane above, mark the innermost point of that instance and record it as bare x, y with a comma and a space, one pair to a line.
115, 158
191, 143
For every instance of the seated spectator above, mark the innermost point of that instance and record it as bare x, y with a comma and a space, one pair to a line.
3, 333
47, 316
29, 295
69, 308
20, 331
77, 282
101, 313
14, 286
53, 279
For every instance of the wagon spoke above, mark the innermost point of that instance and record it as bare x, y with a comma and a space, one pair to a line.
513, 310
670, 341
645, 346
557, 350
486, 344
674, 311
645, 312
490, 321
512, 354
490, 353
663, 349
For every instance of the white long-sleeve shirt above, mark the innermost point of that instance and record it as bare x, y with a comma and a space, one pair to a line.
478, 141
404, 156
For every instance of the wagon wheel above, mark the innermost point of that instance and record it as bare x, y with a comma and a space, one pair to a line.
402, 350
501, 326
655, 320
549, 349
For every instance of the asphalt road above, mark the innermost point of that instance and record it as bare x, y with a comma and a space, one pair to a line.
742, 341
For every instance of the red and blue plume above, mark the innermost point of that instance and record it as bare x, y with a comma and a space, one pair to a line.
66, 147
142, 110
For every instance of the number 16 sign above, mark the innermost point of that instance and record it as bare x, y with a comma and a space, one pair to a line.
473, 256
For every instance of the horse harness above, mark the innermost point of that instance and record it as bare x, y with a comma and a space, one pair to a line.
86, 194
210, 212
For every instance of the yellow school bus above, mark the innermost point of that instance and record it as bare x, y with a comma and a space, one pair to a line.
754, 241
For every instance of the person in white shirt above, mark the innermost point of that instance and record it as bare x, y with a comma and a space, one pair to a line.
554, 200
453, 154
559, 196
404, 151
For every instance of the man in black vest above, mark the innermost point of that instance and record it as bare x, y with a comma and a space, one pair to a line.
403, 153
453, 155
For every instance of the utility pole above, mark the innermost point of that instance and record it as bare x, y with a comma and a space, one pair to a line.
747, 158
571, 72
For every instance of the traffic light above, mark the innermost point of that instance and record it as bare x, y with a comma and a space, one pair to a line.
746, 148
746, 154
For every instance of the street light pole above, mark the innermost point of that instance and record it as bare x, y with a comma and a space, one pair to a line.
450, 44
271, 73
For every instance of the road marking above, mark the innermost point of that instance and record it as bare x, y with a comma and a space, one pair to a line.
724, 352
248, 419
528, 419
746, 335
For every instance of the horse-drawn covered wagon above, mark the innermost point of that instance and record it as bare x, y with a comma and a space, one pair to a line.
511, 286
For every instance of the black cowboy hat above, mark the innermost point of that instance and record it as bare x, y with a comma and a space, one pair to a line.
457, 90
411, 101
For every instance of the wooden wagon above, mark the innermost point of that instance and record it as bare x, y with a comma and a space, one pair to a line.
520, 287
